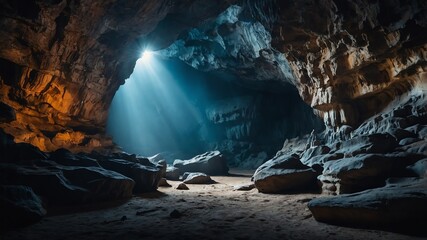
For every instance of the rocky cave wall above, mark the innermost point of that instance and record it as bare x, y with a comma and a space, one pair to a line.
361, 65
348, 59
62, 61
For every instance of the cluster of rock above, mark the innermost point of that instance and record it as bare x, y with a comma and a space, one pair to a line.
378, 171
198, 169
32, 180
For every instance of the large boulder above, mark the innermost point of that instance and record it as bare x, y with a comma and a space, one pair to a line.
102, 184
172, 173
159, 161
374, 143
212, 163
146, 177
394, 206
284, 173
196, 178
67, 158
61, 185
419, 168
50, 184
19, 206
364, 171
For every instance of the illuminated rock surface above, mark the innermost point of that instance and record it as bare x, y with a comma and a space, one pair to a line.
360, 65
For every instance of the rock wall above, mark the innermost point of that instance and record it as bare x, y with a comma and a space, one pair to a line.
248, 127
62, 61
348, 59
352, 58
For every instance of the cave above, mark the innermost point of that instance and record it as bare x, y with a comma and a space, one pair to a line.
215, 119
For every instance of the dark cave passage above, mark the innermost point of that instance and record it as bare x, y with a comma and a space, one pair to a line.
170, 108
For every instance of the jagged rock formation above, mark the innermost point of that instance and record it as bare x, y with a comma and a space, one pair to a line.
361, 65
212, 163
248, 127
378, 208
352, 58
348, 59
62, 61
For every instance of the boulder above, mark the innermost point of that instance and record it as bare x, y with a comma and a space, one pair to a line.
159, 161
182, 186
284, 173
19, 206
102, 184
419, 168
61, 185
212, 163
314, 152
172, 173
65, 157
395, 205
407, 141
374, 143
50, 184
419, 147
364, 171
196, 178
146, 177
400, 134
320, 160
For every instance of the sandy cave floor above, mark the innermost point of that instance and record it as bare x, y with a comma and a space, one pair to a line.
208, 212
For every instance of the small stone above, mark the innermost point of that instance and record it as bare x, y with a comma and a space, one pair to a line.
124, 218
182, 186
196, 178
175, 214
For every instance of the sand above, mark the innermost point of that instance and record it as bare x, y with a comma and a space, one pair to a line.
213, 211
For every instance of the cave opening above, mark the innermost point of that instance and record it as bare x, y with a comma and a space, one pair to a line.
168, 107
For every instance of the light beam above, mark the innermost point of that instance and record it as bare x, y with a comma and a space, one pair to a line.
146, 55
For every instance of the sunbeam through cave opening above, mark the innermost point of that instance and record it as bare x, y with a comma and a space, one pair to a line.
213, 119
170, 108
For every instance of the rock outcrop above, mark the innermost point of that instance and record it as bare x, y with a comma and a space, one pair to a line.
62, 61
196, 178
399, 206
351, 59
284, 173
19, 206
212, 163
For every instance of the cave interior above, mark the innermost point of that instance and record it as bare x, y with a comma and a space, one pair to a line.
216, 119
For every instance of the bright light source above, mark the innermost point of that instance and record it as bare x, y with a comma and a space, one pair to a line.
146, 55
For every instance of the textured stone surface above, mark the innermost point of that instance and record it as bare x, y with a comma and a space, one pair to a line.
212, 163
284, 173
395, 206
182, 186
365, 171
19, 206
146, 177
62, 61
351, 59
196, 178
172, 173
342, 56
